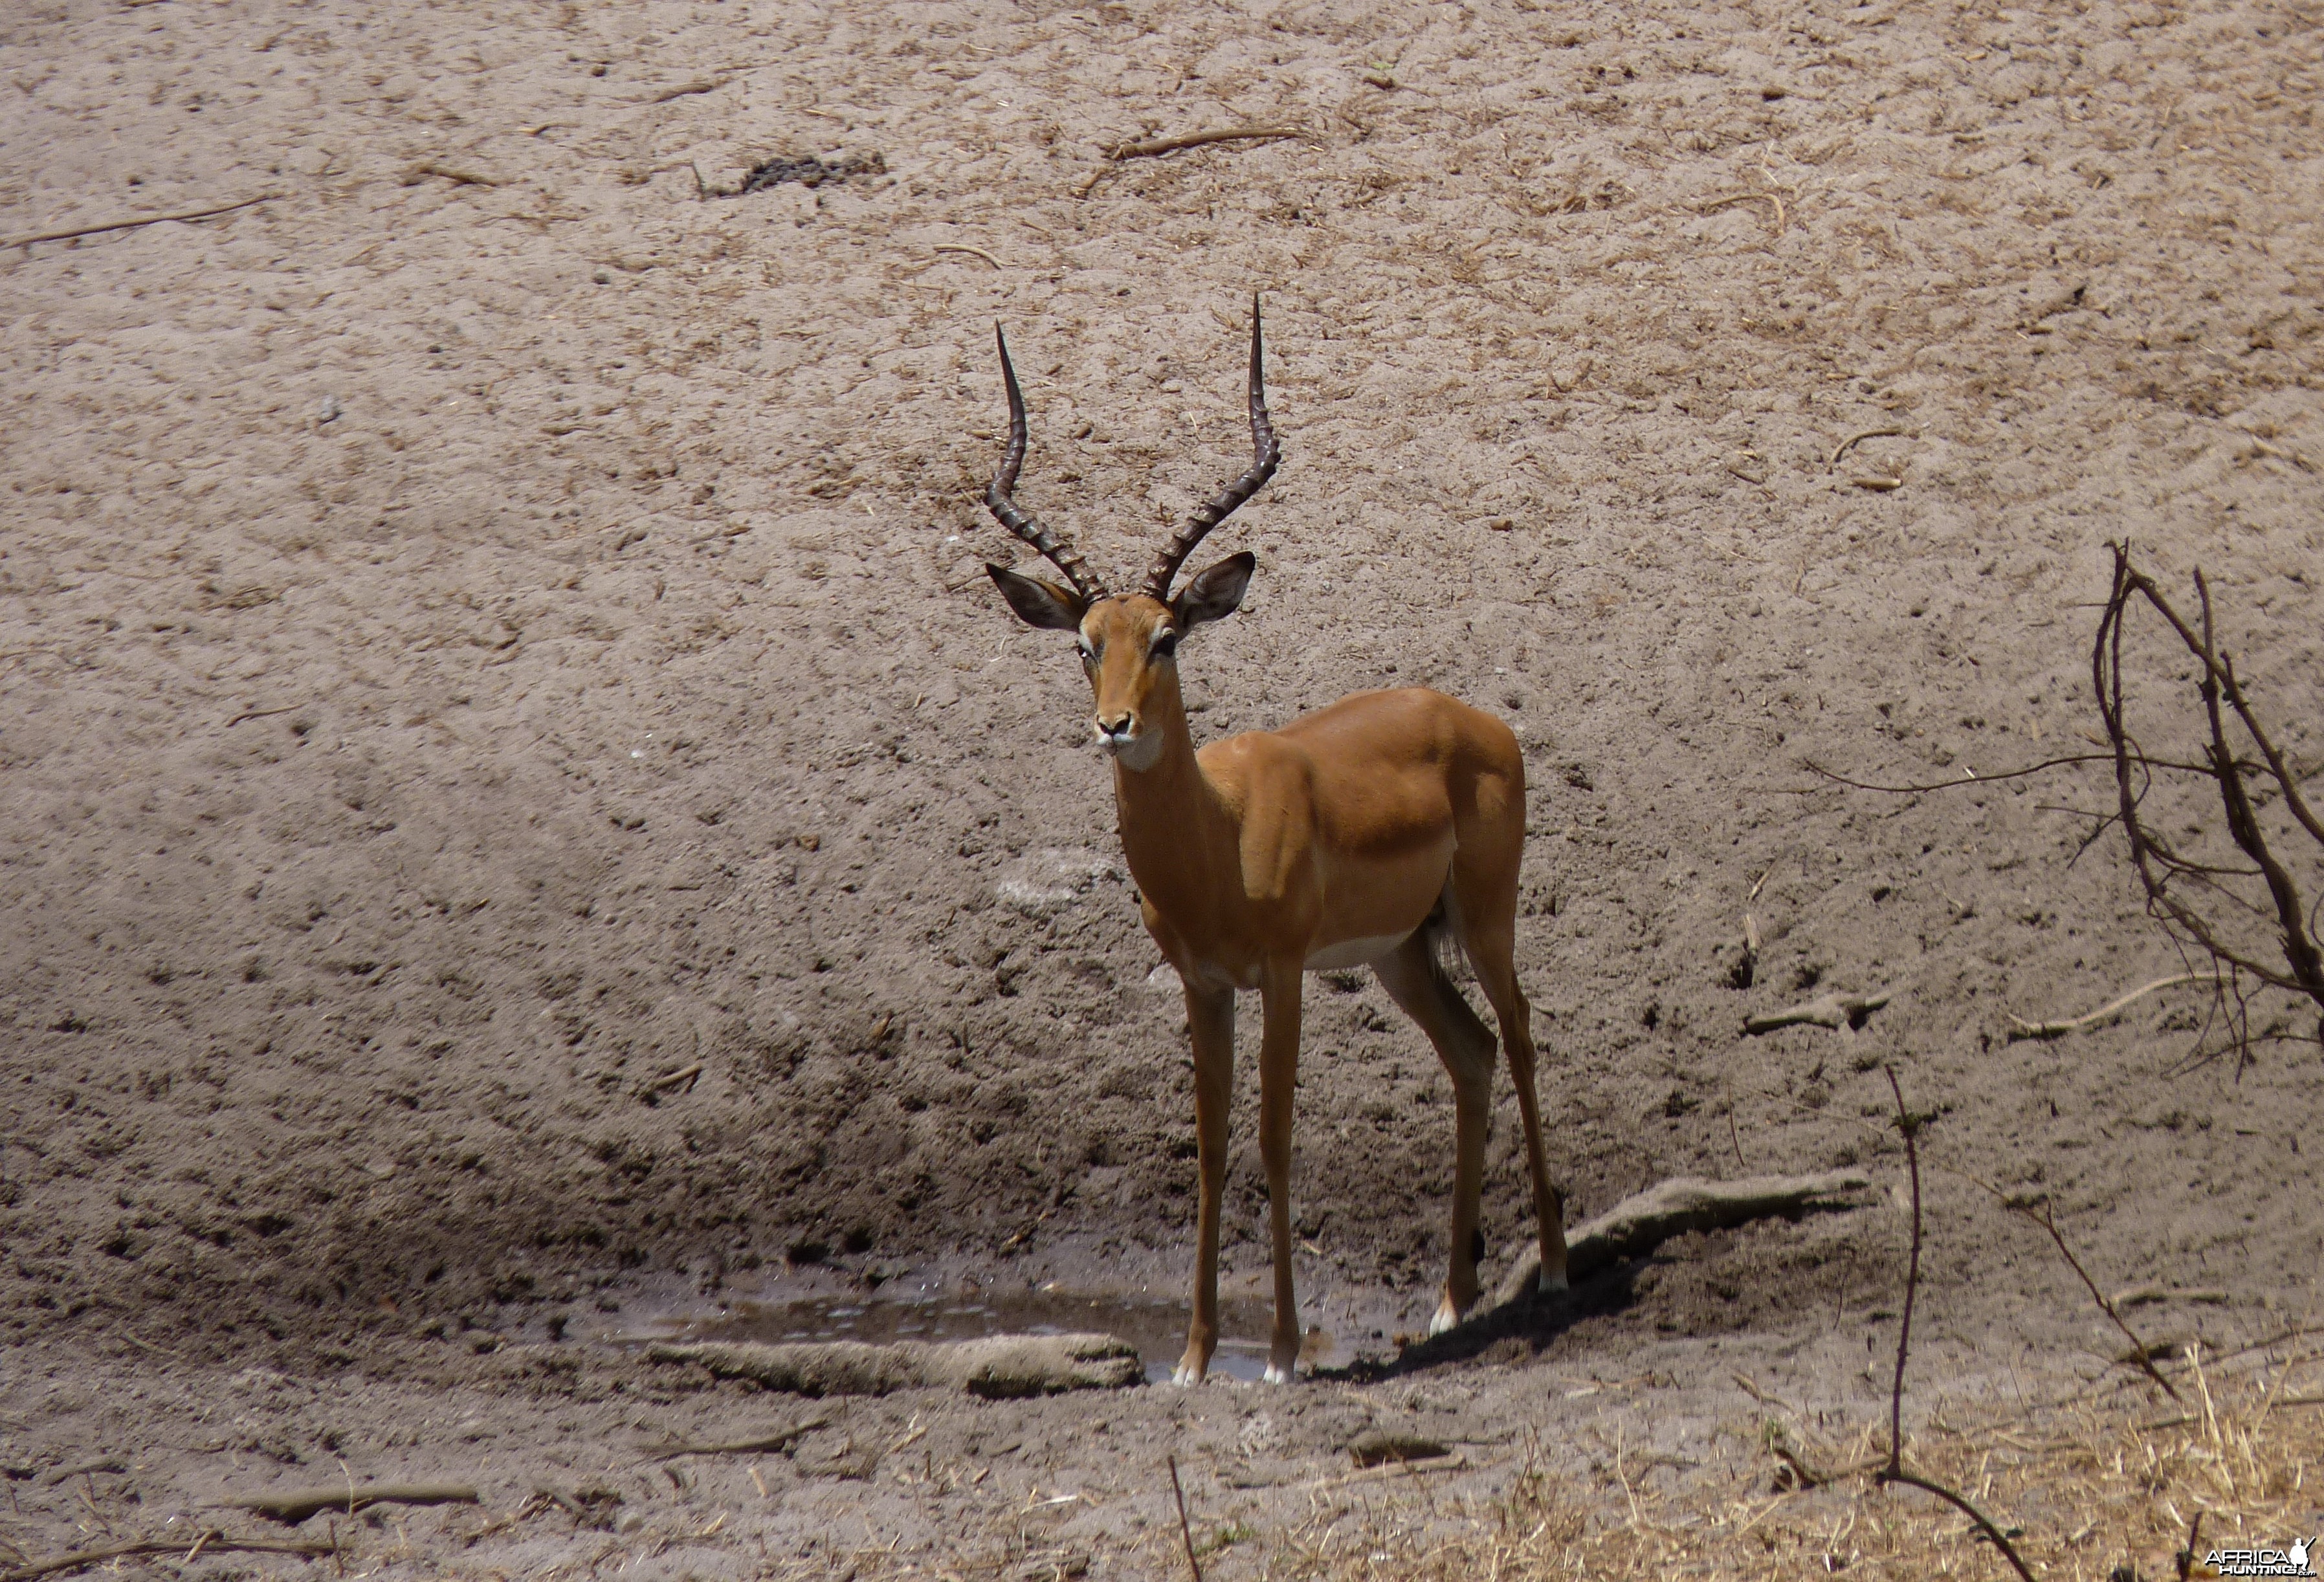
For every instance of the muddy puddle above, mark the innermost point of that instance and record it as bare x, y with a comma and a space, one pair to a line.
937, 1310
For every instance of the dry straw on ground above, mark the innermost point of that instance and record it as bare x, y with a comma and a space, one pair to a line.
2085, 1487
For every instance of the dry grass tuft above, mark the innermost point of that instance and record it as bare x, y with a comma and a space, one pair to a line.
2102, 1490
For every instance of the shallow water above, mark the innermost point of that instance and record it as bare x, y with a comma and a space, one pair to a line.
935, 1309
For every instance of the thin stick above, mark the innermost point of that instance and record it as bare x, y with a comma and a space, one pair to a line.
1909, 1127
1853, 440
212, 1539
1186, 1529
2022, 1028
298, 1504
1153, 146
151, 219
1832, 1011
262, 714
972, 252
2138, 1347
1781, 221
2185, 1558
459, 178
761, 1443
1812, 767
700, 85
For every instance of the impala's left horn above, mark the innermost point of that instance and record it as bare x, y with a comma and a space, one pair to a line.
998, 498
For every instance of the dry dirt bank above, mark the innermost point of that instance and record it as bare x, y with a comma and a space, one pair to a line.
515, 785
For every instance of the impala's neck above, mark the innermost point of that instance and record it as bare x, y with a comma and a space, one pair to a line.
1168, 815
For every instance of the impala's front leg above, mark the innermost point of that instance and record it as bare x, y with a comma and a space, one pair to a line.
1210, 1017
1278, 1077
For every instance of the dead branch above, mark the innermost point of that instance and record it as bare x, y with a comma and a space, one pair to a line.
1834, 1011
1853, 440
1645, 1220
1186, 1528
2185, 1558
761, 1444
2019, 1028
2140, 1353
2199, 902
209, 1541
998, 1366
147, 219
1716, 204
2140, 1296
700, 85
1812, 767
1908, 1126
1152, 146
458, 177
295, 1505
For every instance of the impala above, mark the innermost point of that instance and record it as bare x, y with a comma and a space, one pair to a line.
1367, 833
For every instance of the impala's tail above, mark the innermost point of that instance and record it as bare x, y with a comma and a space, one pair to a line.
1442, 935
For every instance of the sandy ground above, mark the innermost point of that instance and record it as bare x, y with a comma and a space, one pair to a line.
523, 816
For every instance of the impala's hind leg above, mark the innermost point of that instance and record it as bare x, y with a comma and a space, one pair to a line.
1414, 980
1483, 915
1491, 946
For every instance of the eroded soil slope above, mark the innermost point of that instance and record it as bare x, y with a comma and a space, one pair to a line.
516, 783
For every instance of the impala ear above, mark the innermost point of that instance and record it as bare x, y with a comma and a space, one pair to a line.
1037, 601
1215, 591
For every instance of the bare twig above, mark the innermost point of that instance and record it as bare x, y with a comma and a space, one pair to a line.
2139, 1296
2185, 1558
1781, 220
971, 252
700, 85
2191, 898
1186, 1528
458, 177
1674, 1207
1812, 767
782, 1440
296, 1505
262, 714
149, 220
1151, 147
1833, 1011
210, 1539
1853, 440
2019, 1028
1908, 1126
2140, 1352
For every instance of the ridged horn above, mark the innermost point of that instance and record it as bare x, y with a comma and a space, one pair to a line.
999, 500
1266, 454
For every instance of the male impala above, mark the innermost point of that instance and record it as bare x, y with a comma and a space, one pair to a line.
1361, 834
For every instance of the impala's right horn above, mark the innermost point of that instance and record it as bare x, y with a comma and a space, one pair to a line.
999, 500
1266, 454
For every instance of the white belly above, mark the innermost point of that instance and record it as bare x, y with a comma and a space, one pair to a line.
1354, 952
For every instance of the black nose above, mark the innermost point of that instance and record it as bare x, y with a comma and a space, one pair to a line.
1114, 727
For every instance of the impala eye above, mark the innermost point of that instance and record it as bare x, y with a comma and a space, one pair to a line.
1089, 654
1164, 646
